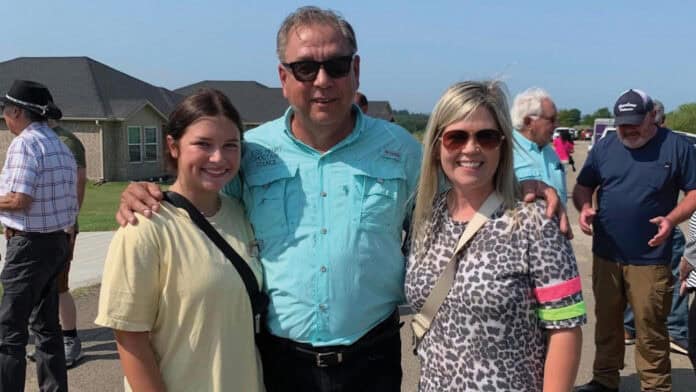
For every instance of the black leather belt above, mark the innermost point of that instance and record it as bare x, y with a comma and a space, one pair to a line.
10, 232
327, 356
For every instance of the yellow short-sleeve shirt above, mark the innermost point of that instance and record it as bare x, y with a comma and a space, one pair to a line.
165, 276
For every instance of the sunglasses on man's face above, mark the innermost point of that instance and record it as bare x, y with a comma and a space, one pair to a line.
307, 70
488, 139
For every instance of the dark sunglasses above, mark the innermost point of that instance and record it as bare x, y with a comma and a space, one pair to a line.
307, 70
488, 139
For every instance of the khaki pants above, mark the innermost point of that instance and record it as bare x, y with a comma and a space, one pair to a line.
649, 291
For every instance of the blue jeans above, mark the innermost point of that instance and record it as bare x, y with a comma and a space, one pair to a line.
678, 318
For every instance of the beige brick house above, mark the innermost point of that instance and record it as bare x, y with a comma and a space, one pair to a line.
117, 117
120, 119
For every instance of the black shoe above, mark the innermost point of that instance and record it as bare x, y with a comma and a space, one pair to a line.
594, 386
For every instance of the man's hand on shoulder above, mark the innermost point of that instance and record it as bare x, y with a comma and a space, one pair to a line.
664, 229
142, 197
534, 189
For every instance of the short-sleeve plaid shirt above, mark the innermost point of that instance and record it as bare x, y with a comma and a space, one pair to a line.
38, 164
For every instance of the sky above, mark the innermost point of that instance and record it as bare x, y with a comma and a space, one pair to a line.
583, 53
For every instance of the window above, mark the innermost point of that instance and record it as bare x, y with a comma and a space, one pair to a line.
150, 143
142, 144
134, 151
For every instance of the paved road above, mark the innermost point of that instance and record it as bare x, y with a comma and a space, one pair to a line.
99, 371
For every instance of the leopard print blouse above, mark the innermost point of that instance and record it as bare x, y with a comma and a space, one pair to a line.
517, 277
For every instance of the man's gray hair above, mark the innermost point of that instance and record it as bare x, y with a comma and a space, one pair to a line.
659, 111
526, 104
311, 15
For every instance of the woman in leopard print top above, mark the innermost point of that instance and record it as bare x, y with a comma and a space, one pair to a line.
511, 321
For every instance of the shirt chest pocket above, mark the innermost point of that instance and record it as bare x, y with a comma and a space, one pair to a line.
268, 198
380, 195
655, 176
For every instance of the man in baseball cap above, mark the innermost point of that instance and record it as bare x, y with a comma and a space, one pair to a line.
638, 175
634, 118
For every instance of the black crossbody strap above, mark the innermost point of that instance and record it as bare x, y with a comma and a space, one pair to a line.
259, 301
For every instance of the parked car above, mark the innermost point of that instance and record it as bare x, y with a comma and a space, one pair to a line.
567, 133
607, 131
586, 134
689, 136
598, 130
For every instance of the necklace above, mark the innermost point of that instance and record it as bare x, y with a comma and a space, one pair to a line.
214, 211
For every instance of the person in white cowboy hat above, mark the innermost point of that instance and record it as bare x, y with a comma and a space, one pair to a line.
38, 202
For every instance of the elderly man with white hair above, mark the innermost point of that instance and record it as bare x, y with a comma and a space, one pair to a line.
534, 118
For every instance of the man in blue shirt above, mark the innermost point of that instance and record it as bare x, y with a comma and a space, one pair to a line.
534, 118
677, 321
637, 174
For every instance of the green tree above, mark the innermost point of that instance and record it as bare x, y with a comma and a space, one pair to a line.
413, 122
602, 113
684, 118
568, 117
588, 119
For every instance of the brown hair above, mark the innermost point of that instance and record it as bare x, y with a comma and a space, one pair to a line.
311, 15
207, 102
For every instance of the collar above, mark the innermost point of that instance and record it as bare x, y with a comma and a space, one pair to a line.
37, 126
524, 142
352, 136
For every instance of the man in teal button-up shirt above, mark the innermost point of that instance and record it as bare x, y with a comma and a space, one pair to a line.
334, 220
534, 118
328, 191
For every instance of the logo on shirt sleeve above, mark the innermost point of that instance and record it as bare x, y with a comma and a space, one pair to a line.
391, 154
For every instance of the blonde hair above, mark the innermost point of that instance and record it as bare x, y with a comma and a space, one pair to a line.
456, 104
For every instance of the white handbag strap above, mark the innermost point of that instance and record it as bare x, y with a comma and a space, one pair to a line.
446, 279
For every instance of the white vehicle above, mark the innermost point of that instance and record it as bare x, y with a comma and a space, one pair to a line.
598, 130
607, 131
689, 136
564, 130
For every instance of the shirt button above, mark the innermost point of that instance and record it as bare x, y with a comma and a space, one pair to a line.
323, 230
323, 268
322, 307
323, 194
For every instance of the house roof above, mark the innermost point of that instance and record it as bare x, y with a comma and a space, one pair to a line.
380, 109
85, 88
255, 102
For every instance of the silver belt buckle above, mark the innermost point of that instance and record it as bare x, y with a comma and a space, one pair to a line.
320, 358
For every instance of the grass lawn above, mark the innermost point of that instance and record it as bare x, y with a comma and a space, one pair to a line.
99, 206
